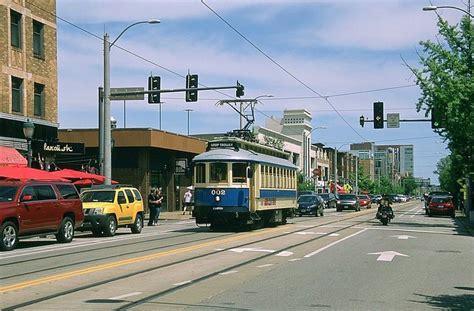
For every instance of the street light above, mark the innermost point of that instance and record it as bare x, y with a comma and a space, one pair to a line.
105, 140
28, 131
436, 7
188, 110
307, 150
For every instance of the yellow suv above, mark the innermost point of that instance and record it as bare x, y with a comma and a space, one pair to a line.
108, 207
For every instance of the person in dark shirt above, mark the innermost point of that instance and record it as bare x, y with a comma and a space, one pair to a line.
154, 204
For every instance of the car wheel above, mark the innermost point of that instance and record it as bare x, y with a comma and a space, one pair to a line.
110, 226
338, 209
138, 225
66, 231
8, 236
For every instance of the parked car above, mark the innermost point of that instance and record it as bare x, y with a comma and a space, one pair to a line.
108, 207
330, 200
364, 201
33, 208
347, 201
310, 204
441, 205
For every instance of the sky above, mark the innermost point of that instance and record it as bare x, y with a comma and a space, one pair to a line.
333, 58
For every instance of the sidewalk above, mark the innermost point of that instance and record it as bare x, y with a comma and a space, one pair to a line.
177, 215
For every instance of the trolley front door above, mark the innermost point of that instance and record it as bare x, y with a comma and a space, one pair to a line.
252, 177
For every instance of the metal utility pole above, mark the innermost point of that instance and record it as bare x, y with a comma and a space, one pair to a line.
106, 120
188, 110
335, 172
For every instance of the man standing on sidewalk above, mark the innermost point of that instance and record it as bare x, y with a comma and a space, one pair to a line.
187, 199
153, 202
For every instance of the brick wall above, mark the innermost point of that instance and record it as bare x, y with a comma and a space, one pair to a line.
21, 62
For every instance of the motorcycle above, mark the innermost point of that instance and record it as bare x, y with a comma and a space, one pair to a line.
384, 214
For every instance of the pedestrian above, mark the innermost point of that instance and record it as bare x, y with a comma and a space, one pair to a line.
187, 198
153, 206
159, 200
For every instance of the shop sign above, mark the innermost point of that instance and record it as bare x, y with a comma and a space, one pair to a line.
58, 147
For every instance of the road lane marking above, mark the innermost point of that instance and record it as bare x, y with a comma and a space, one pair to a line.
125, 296
403, 237
387, 255
334, 234
251, 249
333, 243
294, 259
264, 266
182, 283
124, 262
284, 254
408, 211
310, 232
228, 272
418, 212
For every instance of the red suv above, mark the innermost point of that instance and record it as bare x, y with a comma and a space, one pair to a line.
29, 208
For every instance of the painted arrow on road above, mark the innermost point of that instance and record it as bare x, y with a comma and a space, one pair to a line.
387, 255
403, 237
250, 249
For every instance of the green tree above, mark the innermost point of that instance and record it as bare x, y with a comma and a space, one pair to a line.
409, 185
304, 184
446, 169
447, 86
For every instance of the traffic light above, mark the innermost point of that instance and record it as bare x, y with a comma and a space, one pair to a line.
436, 118
191, 83
361, 121
240, 90
154, 84
378, 115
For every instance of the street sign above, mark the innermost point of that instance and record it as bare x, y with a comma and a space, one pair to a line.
123, 96
393, 120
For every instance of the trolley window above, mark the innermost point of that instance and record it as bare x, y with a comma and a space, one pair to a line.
239, 172
200, 173
218, 172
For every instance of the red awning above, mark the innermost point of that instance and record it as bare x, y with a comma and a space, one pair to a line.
81, 178
12, 158
26, 173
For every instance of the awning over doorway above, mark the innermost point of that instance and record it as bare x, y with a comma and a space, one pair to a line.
10, 157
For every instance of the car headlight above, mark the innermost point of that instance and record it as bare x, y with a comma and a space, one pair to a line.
338, 202
97, 211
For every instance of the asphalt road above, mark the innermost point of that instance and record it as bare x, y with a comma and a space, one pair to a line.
342, 261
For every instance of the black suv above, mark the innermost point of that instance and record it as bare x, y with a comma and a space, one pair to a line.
330, 199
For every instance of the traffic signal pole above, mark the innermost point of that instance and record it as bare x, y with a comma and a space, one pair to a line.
178, 90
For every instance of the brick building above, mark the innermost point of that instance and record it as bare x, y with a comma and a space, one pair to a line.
28, 81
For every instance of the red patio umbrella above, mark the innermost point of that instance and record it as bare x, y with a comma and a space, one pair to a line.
11, 157
81, 178
27, 173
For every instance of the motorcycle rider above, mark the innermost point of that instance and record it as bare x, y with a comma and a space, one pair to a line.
385, 203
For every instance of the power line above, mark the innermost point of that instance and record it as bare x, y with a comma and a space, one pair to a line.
282, 68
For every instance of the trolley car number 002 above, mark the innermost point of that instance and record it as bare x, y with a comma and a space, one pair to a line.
217, 192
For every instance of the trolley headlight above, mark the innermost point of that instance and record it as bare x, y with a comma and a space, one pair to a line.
217, 198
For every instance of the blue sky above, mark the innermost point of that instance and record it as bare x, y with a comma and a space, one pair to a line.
334, 47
